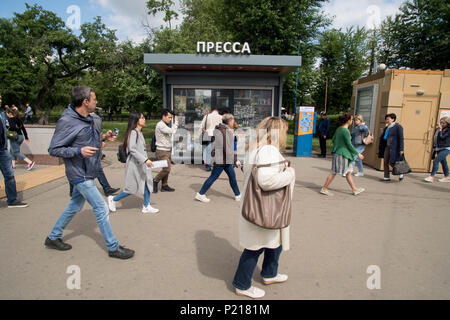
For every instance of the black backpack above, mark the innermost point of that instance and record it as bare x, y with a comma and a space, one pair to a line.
153, 145
122, 155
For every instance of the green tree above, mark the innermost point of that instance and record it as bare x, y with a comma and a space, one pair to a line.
39, 55
418, 37
343, 57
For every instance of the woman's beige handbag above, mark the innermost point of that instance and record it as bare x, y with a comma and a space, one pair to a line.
267, 209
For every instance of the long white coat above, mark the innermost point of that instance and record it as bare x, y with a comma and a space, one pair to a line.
137, 173
251, 236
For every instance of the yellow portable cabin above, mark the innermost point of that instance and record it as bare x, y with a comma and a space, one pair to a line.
419, 98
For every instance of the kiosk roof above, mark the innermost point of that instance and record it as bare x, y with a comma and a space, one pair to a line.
214, 62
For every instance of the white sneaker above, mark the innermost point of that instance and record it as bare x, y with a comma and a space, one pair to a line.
112, 204
237, 198
202, 198
253, 292
446, 179
360, 190
280, 278
359, 174
150, 209
429, 179
326, 192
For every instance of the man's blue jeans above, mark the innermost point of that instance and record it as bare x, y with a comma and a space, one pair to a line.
247, 264
8, 175
87, 191
215, 174
101, 178
442, 159
123, 195
207, 149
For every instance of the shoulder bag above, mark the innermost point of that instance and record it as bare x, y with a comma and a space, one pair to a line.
401, 167
206, 138
267, 209
12, 135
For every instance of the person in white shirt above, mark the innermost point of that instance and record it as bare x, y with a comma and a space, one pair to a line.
257, 240
209, 123
163, 135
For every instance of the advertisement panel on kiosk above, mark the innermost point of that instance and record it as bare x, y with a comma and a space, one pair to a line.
305, 128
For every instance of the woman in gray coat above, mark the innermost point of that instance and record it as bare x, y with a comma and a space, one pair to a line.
138, 173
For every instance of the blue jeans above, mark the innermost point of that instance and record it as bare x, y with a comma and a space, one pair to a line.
442, 159
14, 148
8, 175
87, 191
247, 264
123, 195
101, 178
358, 161
215, 174
207, 149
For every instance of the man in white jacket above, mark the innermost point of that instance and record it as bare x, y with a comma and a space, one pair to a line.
163, 135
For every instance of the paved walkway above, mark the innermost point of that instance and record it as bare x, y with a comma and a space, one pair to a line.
191, 250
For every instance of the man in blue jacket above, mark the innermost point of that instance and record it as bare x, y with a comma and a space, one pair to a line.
6, 166
324, 132
78, 143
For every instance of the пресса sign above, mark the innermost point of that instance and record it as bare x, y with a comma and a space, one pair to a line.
220, 47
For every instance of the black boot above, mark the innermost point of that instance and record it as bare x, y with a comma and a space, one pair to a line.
155, 186
167, 189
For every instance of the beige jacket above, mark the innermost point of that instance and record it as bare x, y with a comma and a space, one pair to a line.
163, 134
251, 236
214, 119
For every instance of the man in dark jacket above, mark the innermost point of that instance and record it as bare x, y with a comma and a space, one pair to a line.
78, 143
391, 145
6, 166
324, 132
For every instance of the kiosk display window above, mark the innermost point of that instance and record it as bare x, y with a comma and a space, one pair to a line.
249, 106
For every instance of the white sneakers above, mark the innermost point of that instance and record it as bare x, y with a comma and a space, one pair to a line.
360, 190
112, 204
280, 278
431, 179
202, 198
253, 292
359, 174
326, 192
150, 209
256, 293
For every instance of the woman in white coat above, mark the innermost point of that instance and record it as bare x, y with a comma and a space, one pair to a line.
138, 173
253, 238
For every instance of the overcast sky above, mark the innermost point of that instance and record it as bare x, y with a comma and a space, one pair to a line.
126, 16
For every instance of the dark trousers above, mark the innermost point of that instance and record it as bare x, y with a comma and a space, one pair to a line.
247, 264
215, 174
101, 178
387, 160
323, 146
